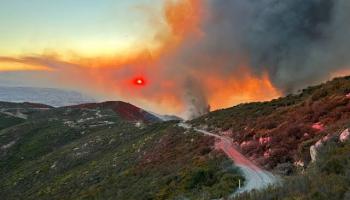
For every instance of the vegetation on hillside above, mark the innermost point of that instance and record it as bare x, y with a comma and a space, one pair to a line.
282, 130
327, 178
79, 153
8, 121
95, 153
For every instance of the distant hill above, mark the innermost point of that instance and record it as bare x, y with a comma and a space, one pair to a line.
167, 117
125, 110
48, 96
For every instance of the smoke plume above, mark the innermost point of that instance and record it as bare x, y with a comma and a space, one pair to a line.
297, 42
196, 101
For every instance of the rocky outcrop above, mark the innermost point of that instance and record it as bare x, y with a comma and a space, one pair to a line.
314, 149
313, 153
344, 136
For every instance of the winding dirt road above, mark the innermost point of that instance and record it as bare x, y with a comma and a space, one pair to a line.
256, 178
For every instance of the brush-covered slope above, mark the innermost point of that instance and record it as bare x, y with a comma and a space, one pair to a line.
7, 120
282, 130
93, 152
326, 178
16, 113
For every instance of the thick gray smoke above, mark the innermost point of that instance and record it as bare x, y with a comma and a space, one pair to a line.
298, 42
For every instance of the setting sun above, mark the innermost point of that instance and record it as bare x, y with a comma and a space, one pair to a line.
139, 81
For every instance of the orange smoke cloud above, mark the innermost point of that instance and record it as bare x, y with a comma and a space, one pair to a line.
183, 17
12, 64
246, 88
9, 66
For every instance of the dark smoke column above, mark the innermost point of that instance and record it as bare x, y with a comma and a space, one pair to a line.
196, 100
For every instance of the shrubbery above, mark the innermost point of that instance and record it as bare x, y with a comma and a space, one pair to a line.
328, 178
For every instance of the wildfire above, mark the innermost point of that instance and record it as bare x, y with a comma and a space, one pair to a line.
245, 88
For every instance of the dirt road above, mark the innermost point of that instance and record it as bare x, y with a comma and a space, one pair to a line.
256, 178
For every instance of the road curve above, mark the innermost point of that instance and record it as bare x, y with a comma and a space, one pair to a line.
256, 178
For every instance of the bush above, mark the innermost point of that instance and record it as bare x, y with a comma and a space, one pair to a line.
199, 178
319, 94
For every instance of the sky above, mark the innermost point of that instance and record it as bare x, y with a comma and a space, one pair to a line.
179, 57
76, 44
88, 27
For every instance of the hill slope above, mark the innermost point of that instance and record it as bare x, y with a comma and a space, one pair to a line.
282, 130
328, 177
304, 136
93, 152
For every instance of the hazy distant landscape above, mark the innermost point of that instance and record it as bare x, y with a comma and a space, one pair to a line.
48, 96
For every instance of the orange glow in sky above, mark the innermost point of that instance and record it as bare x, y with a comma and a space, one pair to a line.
107, 75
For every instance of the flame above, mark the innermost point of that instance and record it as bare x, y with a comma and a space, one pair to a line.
247, 88
342, 72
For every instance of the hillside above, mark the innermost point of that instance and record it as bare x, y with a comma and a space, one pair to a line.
94, 152
303, 137
326, 178
282, 130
